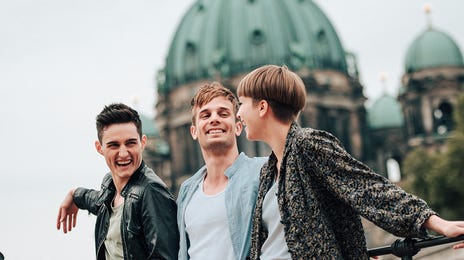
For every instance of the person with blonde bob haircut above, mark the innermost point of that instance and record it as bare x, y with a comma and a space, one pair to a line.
312, 193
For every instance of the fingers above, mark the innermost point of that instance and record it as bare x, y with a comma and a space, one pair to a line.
69, 221
58, 219
67, 214
458, 246
455, 229
64, 220
65, 225
74, 220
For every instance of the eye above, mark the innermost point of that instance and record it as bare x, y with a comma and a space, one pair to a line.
131, 143
240, 103
204, 116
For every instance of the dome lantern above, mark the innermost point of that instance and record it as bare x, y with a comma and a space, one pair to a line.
432, 48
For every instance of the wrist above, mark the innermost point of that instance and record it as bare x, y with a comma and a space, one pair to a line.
71, 194
435, 223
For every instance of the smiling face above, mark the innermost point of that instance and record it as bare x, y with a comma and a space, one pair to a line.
122, 148
215, 126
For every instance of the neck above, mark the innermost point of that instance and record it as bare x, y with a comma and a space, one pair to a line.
218, 162
216, 165
118, 199
275, 136
119, 184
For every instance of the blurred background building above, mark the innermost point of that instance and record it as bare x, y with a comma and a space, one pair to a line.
222, 40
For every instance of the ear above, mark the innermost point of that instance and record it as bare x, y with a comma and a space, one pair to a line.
98, 146
263, 107
238, 128
193, 132
143, 141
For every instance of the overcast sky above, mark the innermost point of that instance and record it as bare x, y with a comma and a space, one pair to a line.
61, 61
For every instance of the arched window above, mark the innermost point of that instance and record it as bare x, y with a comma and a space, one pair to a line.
393, 170
443, 118
190, 59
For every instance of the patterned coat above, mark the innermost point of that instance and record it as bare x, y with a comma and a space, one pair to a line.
322, 193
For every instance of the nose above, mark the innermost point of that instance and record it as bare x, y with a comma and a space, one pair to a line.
123, 151
214, 118
238, 115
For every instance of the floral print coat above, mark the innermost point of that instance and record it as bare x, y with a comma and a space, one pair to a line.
322, 193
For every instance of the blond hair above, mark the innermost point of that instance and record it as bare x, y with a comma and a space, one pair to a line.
208, 92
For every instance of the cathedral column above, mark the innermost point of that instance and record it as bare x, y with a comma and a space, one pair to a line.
427, 118
355, 133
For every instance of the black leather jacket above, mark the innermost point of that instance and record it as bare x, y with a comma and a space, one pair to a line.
148, 224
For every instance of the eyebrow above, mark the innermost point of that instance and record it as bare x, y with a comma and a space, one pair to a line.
116, 142
111, 143
209, 110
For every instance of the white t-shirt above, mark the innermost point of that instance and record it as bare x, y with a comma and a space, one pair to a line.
207, 227
113, 241
275, 246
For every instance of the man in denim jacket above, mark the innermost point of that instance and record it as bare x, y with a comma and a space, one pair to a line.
215, 205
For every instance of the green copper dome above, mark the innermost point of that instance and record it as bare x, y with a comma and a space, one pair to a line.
227, 37
385, 113
431, 49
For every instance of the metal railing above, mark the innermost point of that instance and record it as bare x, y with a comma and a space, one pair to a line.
406, 248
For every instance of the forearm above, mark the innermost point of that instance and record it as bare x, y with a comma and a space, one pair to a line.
86, 199
373, 196
435, 223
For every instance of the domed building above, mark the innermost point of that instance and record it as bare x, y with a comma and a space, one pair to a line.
431, 84
222, 40
421, 115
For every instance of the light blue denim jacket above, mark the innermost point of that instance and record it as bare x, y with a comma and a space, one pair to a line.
240, 195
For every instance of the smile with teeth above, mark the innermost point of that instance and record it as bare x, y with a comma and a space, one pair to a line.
215, 131
123, 163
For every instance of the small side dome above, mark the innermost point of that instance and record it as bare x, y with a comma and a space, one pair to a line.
432, 49
385, 113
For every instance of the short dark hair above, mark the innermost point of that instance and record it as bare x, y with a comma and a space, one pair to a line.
117, 113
